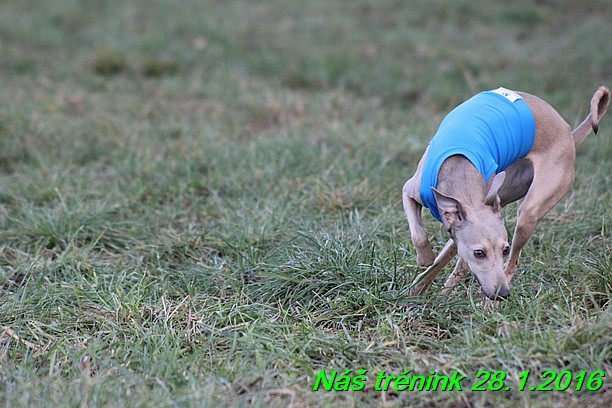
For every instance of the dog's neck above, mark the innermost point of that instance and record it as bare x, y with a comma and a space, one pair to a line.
458, 178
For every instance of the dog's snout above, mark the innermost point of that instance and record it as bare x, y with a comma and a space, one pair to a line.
502, 293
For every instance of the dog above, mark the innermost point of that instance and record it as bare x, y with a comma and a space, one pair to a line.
496, 148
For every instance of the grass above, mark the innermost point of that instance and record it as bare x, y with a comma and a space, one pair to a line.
199, 202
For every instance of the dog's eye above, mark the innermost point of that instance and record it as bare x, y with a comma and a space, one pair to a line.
506, 250
480, 254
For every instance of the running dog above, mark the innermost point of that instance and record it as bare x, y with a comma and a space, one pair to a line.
493, 149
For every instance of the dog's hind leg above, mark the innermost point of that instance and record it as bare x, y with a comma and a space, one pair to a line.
552, 179
552, 156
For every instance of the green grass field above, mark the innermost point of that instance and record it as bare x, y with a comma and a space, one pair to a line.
200, 203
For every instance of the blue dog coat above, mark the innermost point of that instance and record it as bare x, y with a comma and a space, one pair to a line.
493, 129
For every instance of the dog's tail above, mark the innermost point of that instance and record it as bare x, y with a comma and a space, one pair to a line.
599, 105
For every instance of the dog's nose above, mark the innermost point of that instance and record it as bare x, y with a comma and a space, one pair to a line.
502, 293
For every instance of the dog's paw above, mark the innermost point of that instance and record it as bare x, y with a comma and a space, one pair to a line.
416, 290
425, 257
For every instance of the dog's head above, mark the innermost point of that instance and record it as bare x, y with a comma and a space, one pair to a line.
480, 236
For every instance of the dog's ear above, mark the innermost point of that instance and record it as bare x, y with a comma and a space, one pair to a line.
451, 210
493, 187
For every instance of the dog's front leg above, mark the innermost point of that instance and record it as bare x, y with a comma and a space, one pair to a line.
455, 276
418, 235
424, 279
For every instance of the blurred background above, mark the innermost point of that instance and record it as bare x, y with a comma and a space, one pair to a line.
405, 52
